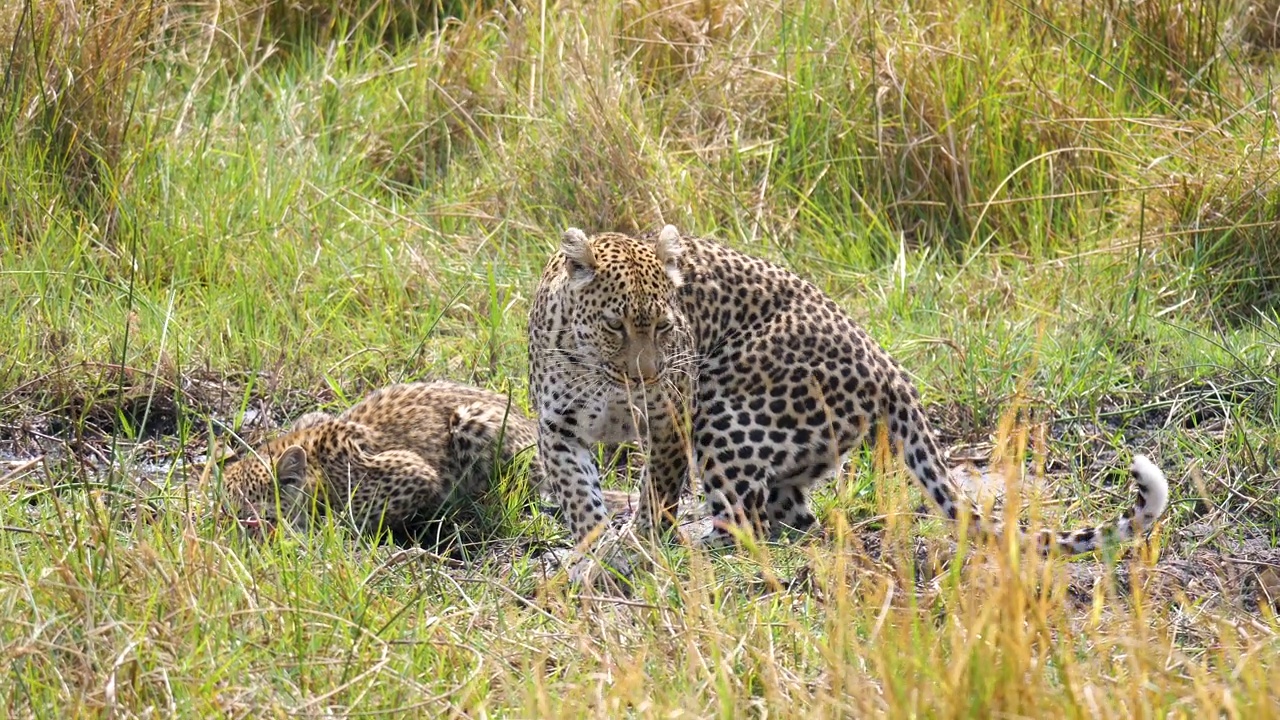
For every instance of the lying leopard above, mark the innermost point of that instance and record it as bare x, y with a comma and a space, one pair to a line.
741, 367
393, 461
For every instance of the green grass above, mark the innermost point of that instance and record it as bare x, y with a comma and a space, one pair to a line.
1060, 218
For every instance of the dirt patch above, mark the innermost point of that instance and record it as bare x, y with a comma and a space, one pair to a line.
89, 411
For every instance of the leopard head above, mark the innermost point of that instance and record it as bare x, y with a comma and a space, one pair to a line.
626, 318
268, 484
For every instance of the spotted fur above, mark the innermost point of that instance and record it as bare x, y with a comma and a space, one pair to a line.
392, 461
740, 367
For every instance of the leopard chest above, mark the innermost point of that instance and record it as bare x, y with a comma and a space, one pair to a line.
612, 416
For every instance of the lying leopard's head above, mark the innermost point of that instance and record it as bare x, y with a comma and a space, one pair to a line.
266, 485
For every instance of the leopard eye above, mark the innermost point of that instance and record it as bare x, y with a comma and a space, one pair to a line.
663, 325
614, 324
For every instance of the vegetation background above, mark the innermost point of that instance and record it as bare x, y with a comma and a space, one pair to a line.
219, 214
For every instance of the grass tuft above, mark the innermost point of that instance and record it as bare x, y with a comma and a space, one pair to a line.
67, 100
285, 27
1262, 25
1225, 234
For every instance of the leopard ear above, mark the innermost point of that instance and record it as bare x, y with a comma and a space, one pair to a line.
224, 456
581, 261
291, 467
669, 250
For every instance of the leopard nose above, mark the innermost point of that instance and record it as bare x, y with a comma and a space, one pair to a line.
647, 370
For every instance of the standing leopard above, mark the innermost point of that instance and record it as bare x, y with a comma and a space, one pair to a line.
740, 367
393, 461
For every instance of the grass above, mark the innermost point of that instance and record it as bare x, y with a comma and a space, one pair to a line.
1060, 218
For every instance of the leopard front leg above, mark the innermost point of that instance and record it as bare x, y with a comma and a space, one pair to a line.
665, 474
419, 493
570, 469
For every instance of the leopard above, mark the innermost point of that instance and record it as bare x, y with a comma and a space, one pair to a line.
735, 371
394, 462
